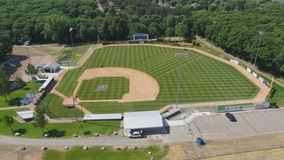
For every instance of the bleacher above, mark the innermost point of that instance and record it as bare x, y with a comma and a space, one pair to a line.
27, 99
171, 112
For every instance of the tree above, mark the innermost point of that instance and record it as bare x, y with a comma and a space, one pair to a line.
40, 119
5, 45
8, 121
31, 70
4, 84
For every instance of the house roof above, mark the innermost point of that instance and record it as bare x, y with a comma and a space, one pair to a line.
141, 120
52, 65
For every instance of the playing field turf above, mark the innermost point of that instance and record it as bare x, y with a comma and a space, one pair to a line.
103, 88
202, 78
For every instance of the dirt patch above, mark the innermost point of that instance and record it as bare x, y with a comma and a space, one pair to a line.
176, 152
14, 153
38, 54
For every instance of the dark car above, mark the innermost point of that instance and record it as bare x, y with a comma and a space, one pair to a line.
231, 117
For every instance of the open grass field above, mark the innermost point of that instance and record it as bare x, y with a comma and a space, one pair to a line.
94, 153
14, 97
103, 88
55, 109
202, 78
65, 130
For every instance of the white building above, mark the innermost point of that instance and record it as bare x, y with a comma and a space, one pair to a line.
148, 121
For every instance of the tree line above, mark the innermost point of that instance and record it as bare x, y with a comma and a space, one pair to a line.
236, 28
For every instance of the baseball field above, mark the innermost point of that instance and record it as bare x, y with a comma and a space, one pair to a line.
200, 78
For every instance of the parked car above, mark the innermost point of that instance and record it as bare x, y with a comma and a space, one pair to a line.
42, 76
136, 134
231, 117
200, 141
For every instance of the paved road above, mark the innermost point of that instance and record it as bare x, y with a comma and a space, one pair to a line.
177, 135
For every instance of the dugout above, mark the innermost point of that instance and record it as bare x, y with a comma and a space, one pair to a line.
150, 122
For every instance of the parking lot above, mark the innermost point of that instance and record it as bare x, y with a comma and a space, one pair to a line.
249, 123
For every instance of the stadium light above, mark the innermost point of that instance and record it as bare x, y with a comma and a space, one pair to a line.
179, 55
71, 78
260, 37
70, 31
213, 32
30, 62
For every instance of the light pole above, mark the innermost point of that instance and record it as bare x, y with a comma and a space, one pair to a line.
179, 55
71, 78
31, 69
70, 31
213, 32
260, 37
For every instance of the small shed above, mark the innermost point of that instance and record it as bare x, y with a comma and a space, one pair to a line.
51, 68
148, 121
140, 36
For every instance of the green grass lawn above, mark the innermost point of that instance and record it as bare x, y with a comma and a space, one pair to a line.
55, 108
59, 130
93, 153
114, 107
278, 96
202, 78
14, 97
103, 88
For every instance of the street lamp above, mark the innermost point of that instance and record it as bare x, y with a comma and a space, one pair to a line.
71, 79
260, 37
179, 55
213, 32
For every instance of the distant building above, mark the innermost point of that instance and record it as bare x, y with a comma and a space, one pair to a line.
140, 36
49, 68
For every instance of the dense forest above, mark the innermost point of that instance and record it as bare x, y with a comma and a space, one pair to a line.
241, 27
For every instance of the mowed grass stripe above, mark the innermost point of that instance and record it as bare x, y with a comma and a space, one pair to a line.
202, 78
116, 88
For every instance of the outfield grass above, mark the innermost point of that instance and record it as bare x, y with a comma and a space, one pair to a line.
202, 78
113, 88
93, 153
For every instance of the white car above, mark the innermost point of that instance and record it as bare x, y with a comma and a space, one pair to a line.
136, 134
